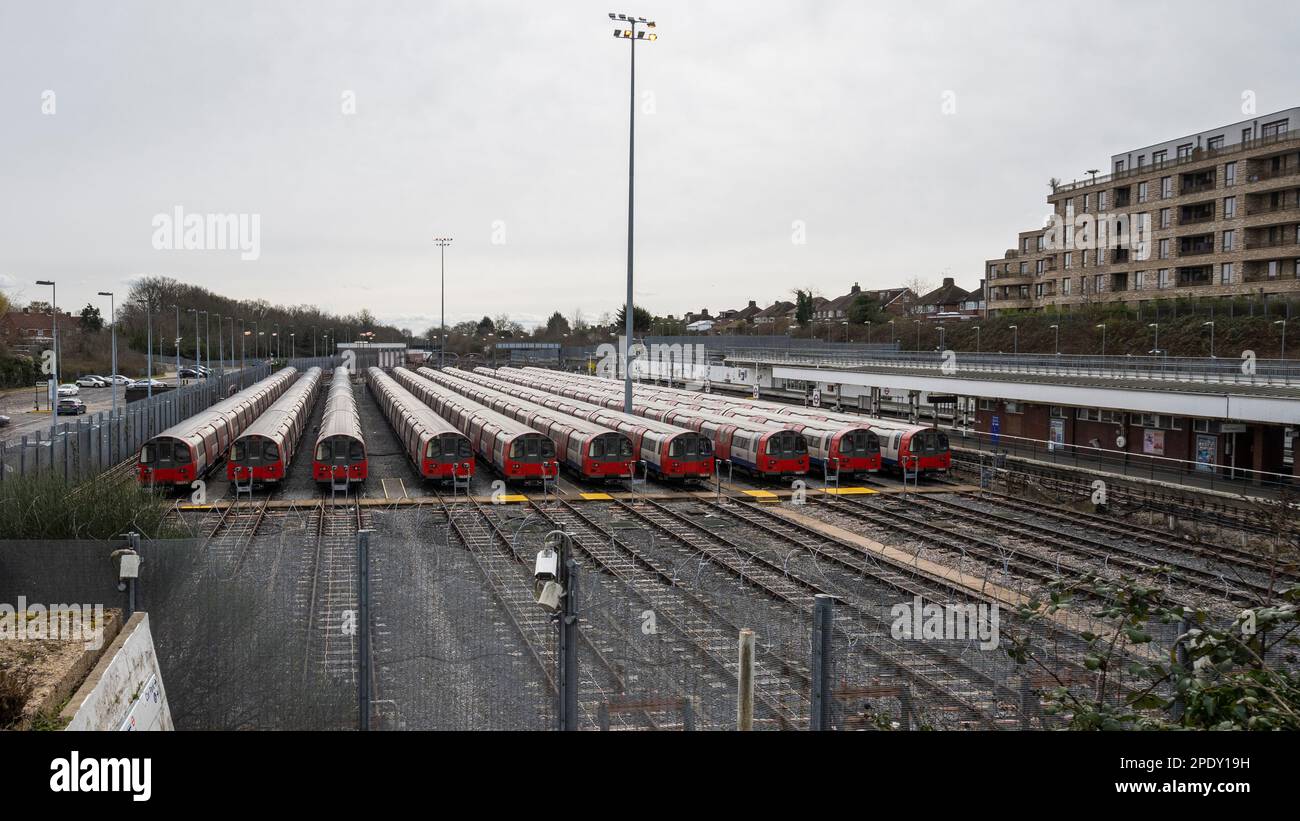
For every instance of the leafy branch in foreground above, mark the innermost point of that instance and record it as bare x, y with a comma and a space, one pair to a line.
1236, 676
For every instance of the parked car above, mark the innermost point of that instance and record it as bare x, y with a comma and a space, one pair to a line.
69, 389
188, 373
144, 383
4, 420
89, 381
119, 379
71, 405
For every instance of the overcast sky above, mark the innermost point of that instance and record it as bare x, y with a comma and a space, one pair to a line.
504, 125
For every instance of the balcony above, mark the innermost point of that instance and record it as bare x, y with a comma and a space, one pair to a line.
1280, 241
1195, 277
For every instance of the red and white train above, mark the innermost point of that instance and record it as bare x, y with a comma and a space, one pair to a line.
764, 449
437, 449
340, 453
922, 448
189, 449
514, 450
265, 450
670, 453
592, 452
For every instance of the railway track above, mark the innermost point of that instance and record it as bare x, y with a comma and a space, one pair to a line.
1133, 531
1241, 591
331, 644
511, 584
924, 666
781, 689
228, 540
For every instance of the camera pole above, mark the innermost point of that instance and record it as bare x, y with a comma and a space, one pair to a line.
568, 655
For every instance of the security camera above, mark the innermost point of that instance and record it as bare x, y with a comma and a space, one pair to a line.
547, 566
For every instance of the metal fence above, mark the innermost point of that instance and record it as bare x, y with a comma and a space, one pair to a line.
91, 443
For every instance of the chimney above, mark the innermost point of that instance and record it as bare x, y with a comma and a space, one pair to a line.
752, 304
947, 282
854, 289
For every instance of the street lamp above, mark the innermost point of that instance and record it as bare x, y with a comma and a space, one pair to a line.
893, 332
942, 333
1015, 339
977, 339
632, 35
207, 342
1210, 325
846, 332
1156, 350
1057, 328
868, 333
148, 379
917, 323
1103, 339
221, 343
442, 243
112, 325
198, 342
54, 328
1282, 322
178, 344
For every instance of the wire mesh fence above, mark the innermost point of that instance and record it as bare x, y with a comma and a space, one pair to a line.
260, 623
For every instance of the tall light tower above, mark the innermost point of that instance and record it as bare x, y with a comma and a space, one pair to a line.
627, 29
54, 329
442, 243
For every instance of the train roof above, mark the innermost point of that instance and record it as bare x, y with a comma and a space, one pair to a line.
631, 418
424, 415
277, 416
215, 412
342, 418
502, 421
689, 410
575, 422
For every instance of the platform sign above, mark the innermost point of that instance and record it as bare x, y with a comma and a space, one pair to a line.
1056, 435
995, 428
816, 398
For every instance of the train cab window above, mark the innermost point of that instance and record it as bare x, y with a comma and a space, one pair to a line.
180, 454
357, 452
625, 448
462, 448
433, 450
323, 451
706, 447
597, 448
147, 454
270, 451
237, 453
548, 449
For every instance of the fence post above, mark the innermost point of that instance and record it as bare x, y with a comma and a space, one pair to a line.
819, 720
745, 682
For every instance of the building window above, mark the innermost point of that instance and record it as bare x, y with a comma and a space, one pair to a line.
1069, 259
1142, 192
1069, 205
1184, 150
986, 404
1229, 239
1229, 207
1065, 285
1214, 143
1039, 242
1164, 217
1013, 407
1040, 265
1159, 421
1142, 160
1101, 201
1205, 426
1024, 268
1119, 166
1166, 187
1098, 283
1162, 278
1085, 259
1158, 157
1230, 174
1058, 412
1274, 128
1086, 200
1026, 245
1225, 273
1246, 135
1273, 268
1101, 257
1164, 249
1139, 280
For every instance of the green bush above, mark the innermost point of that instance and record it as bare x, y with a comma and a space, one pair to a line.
44, 507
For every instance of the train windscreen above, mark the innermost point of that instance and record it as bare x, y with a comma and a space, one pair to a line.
689, 447
532, 448
448, 447
929, 443
857, 443
786, 444
610, 447
165, 451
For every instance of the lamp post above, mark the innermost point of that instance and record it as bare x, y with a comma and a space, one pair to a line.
868, 333
178, 344
221, 344
977, 339
112, 326
846, 332
1210, 325
1057, 328
1282, 322
293, 344
243, 359
442, 243
942, 333
207, 343
632, 35
1155, 351
148, 380
232, 342
197, 341
54, 329
1103, 339
313, 341
917, 323
893, 333
1015, 339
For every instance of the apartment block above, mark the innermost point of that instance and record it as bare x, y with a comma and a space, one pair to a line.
1223, 210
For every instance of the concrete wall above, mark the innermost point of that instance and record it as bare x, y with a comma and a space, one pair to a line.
125, 690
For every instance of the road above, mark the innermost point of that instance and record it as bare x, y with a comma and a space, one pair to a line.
19, 404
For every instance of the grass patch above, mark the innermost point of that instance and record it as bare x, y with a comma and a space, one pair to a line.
45, 507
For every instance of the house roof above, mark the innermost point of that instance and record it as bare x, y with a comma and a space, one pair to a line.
948, 293
777, 309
